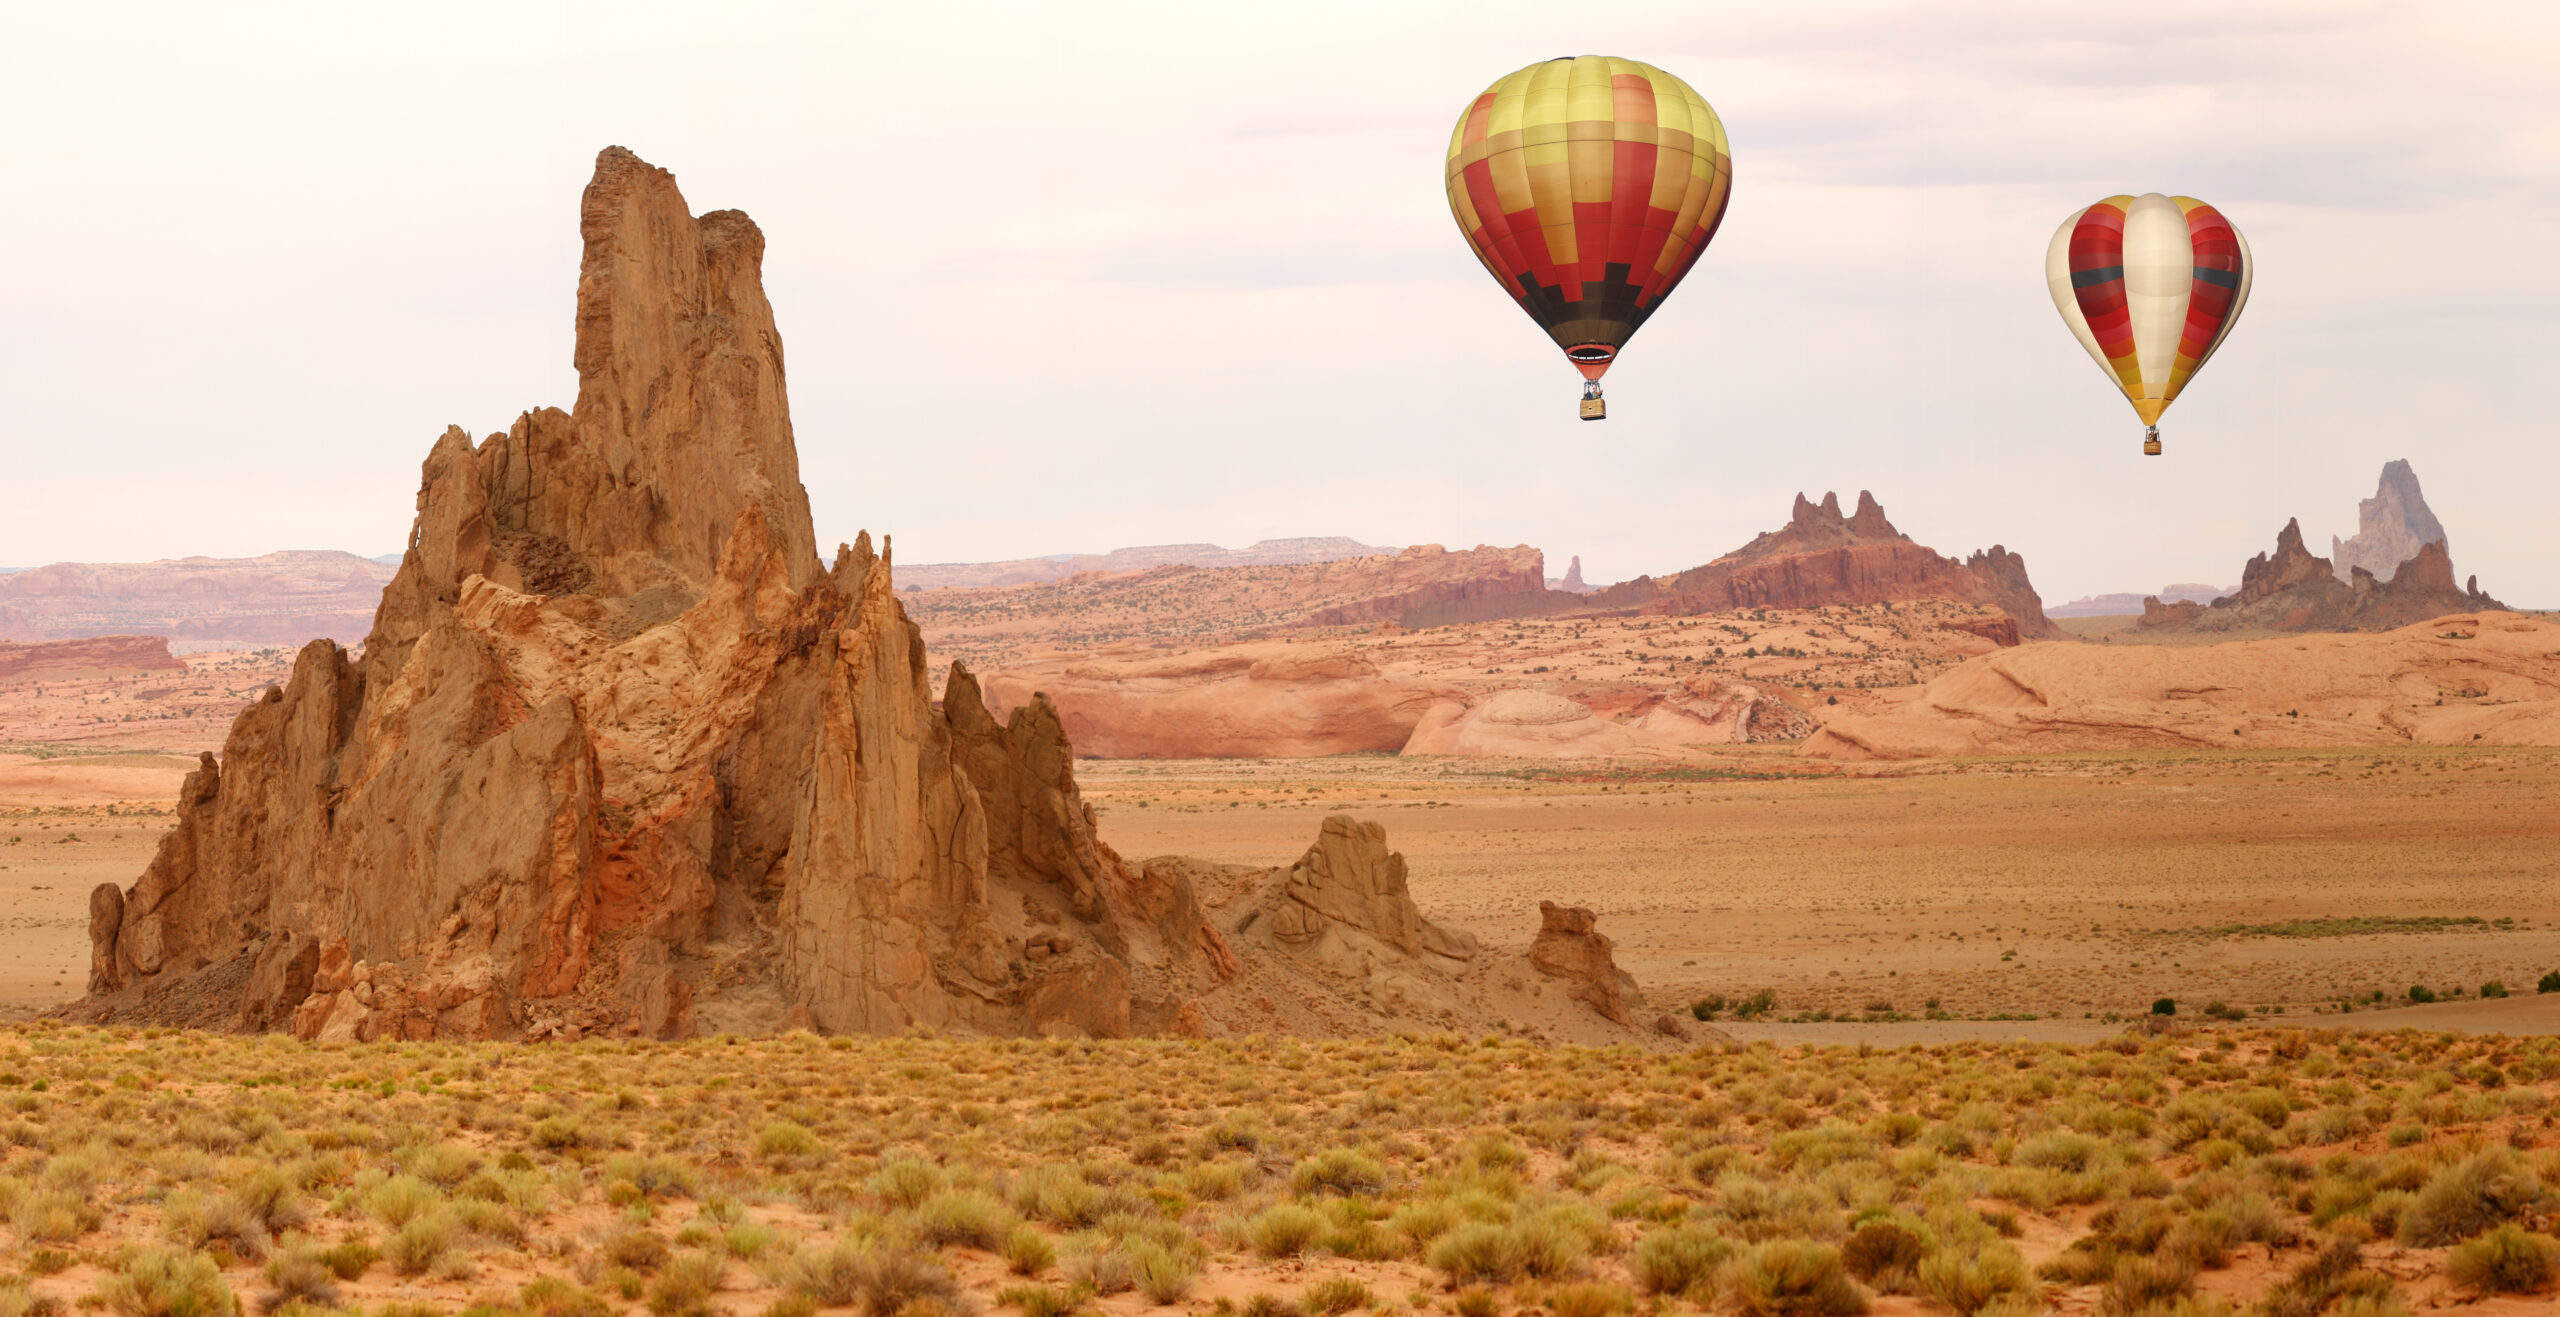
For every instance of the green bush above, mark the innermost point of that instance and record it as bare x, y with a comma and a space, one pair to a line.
635, 1248
891, 1276
350, 1259
1284, 1230
2494, 988
1969, 1279
2507, 1260
1337, 1294
685, 1286
159, 1282
555, 1296
1884, 1255
1339, 1171
2421, 993
1479, 1251
1164, 1275
300, 1278
2468, 1197
1680, 1261
1590, 1298
1709, 1006
2550, 982
785, 1139
967, 1217
1792, 1278
420, 1243
1037, 1300
1027, 1252
2165, 1006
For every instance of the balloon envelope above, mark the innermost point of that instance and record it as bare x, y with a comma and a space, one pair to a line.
1588, 186
2150, 285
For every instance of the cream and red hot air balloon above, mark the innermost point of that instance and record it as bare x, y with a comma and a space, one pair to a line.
2151, 285
1588, 186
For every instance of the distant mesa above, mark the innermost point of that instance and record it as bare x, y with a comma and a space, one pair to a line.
2293, 589
2391, 527
289, 598
91, 655
2130, 605
1058, 567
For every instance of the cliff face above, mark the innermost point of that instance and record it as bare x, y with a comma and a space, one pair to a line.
2296, 590
1821, 557
2391, 527
621, 755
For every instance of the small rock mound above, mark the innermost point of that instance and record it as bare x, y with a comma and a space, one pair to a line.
1571, 947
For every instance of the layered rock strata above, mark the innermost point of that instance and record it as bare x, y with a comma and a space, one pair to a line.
95, 654
2293, 589
622, 755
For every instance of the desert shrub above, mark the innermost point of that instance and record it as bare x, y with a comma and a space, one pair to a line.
2494, 988
55, 1217
441, 1164
2332, 1274
657, 1175
199, 1222
419, 1243
1588, 1299
1037, 1300
1284, 1230
1027, 1252
2421, 993
831, 1276
747, 1240
1970, 1278
1057, 1195
967, 1217
786, 1139
1164, 1275
1101, 1269
298, 1278
350, 1259
273, 1197
2141, 1283
1214, 1181
1475, 1301
1680, 1261
1479, 1251
1339, 1171
1884, 1254
2165, 1006
396, 1201
2508, 1259
685, 1285
2549, 982
1791, 1278
1708, 1007
553, 1296
636, 1248
891, 1276
1334, 1295
159, 1282
2468, 1197
1266, 1304
1423, 1220
558, 1134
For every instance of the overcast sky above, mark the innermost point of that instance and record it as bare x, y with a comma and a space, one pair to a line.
1069, 277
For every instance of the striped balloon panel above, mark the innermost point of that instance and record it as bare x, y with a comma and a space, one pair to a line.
1588, 187
2150, 285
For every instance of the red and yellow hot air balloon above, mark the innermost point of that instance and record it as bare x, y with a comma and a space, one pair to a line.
2151, 285
1588, 186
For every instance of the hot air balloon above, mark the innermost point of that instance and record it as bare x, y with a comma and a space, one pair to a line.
2151, 285
1588, 186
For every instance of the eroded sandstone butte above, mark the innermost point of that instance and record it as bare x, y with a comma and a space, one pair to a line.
621, 754
1823, 558
286, 598
92, 655
2296, 590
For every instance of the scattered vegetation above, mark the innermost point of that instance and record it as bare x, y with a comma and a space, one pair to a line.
797, 1175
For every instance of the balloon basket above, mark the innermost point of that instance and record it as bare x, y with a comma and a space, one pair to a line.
1595, 409
2151, 442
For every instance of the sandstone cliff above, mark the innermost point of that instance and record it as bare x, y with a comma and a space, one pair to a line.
622, 755
96, 654
1821, 557
1285, 552
2294, 590
2391, 527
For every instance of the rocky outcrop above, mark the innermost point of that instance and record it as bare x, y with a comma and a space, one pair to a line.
2485, 678
2391, 528
2293, 589
621, 755
92, 655
1533, 724
1265, 700
287, 598
1572, 582
1821, 557
1427, 586
1571, 947
2128, 604
1349, 879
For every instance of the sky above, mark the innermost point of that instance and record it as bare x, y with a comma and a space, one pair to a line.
1063, 278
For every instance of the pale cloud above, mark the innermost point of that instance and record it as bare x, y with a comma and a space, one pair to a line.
1069, 277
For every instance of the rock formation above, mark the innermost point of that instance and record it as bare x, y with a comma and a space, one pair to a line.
96, 654
285, 598
1572, 582
621, 755
2482, 678
2391, 527
1265, 700
1821, 557
1571, 947
2294, 590
1334, 944
1532, 724
2127, 604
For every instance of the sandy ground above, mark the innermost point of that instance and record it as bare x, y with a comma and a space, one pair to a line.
2064, 888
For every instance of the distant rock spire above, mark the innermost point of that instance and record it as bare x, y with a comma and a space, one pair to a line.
1573, 583
2391, 527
